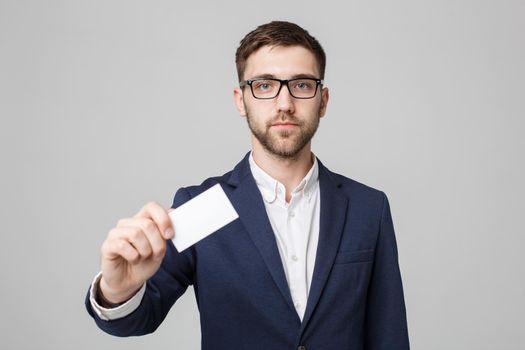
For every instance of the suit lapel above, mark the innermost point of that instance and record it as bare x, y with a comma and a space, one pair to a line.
248, 203
333, 216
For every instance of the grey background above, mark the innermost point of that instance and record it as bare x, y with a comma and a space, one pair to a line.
105, 105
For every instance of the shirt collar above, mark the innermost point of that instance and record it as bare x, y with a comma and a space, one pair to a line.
271, 188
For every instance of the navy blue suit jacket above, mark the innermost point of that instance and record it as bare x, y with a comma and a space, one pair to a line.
356, 296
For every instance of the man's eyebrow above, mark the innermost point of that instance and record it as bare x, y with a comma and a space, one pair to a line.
295, 76
299, 76
264, 76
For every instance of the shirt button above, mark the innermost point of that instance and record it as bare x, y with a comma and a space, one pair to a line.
292, 214
279, 190
295, 258
297, 305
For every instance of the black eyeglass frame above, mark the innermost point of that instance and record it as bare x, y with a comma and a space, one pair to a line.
249, 82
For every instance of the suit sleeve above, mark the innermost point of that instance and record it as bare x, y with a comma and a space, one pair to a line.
386, 323
163, 289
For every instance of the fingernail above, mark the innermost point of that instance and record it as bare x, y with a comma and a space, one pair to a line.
169, 233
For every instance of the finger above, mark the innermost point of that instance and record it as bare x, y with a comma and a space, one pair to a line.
160, 216
137, 238
120, 248
151, 230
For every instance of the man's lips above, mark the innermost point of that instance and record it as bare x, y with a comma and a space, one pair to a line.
284, 125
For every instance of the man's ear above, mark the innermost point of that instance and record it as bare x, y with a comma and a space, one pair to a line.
239, 102
325, 96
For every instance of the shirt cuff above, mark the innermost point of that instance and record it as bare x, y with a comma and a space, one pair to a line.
117, 312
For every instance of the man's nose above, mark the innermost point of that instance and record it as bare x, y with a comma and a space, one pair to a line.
284, 100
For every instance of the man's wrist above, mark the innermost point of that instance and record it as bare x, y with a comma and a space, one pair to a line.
109, 299
102, 301
108, 310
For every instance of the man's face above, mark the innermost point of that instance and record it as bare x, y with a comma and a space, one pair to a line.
283, 126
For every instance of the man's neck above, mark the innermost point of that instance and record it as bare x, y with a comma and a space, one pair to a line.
288, 171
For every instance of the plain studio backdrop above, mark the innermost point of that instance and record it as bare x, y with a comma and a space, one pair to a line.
106, 105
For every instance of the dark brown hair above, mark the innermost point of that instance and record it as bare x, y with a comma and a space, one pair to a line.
278, 33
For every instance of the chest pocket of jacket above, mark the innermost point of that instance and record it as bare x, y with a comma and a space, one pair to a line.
356, 256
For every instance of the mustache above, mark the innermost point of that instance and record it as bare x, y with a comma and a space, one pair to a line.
284, 118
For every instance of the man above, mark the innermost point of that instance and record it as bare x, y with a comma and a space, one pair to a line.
311, 263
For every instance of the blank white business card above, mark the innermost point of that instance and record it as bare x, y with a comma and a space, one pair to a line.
201, 216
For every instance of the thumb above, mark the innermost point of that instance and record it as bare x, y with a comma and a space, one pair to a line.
170, 232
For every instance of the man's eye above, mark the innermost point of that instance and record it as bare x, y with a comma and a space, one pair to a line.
303, 85
263, 86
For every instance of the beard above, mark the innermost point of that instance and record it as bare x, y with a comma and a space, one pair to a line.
284, 143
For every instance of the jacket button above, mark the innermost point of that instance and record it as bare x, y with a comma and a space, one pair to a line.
302, 347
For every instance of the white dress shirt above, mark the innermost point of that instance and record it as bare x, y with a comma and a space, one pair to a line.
296, 228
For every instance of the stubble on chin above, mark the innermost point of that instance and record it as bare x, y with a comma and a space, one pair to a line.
283, 144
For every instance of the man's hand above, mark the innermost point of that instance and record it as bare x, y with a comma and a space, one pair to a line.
133, 252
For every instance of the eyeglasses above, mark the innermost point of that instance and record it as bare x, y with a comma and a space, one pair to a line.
266, 89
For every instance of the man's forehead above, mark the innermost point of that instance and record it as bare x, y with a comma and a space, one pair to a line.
281, 61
